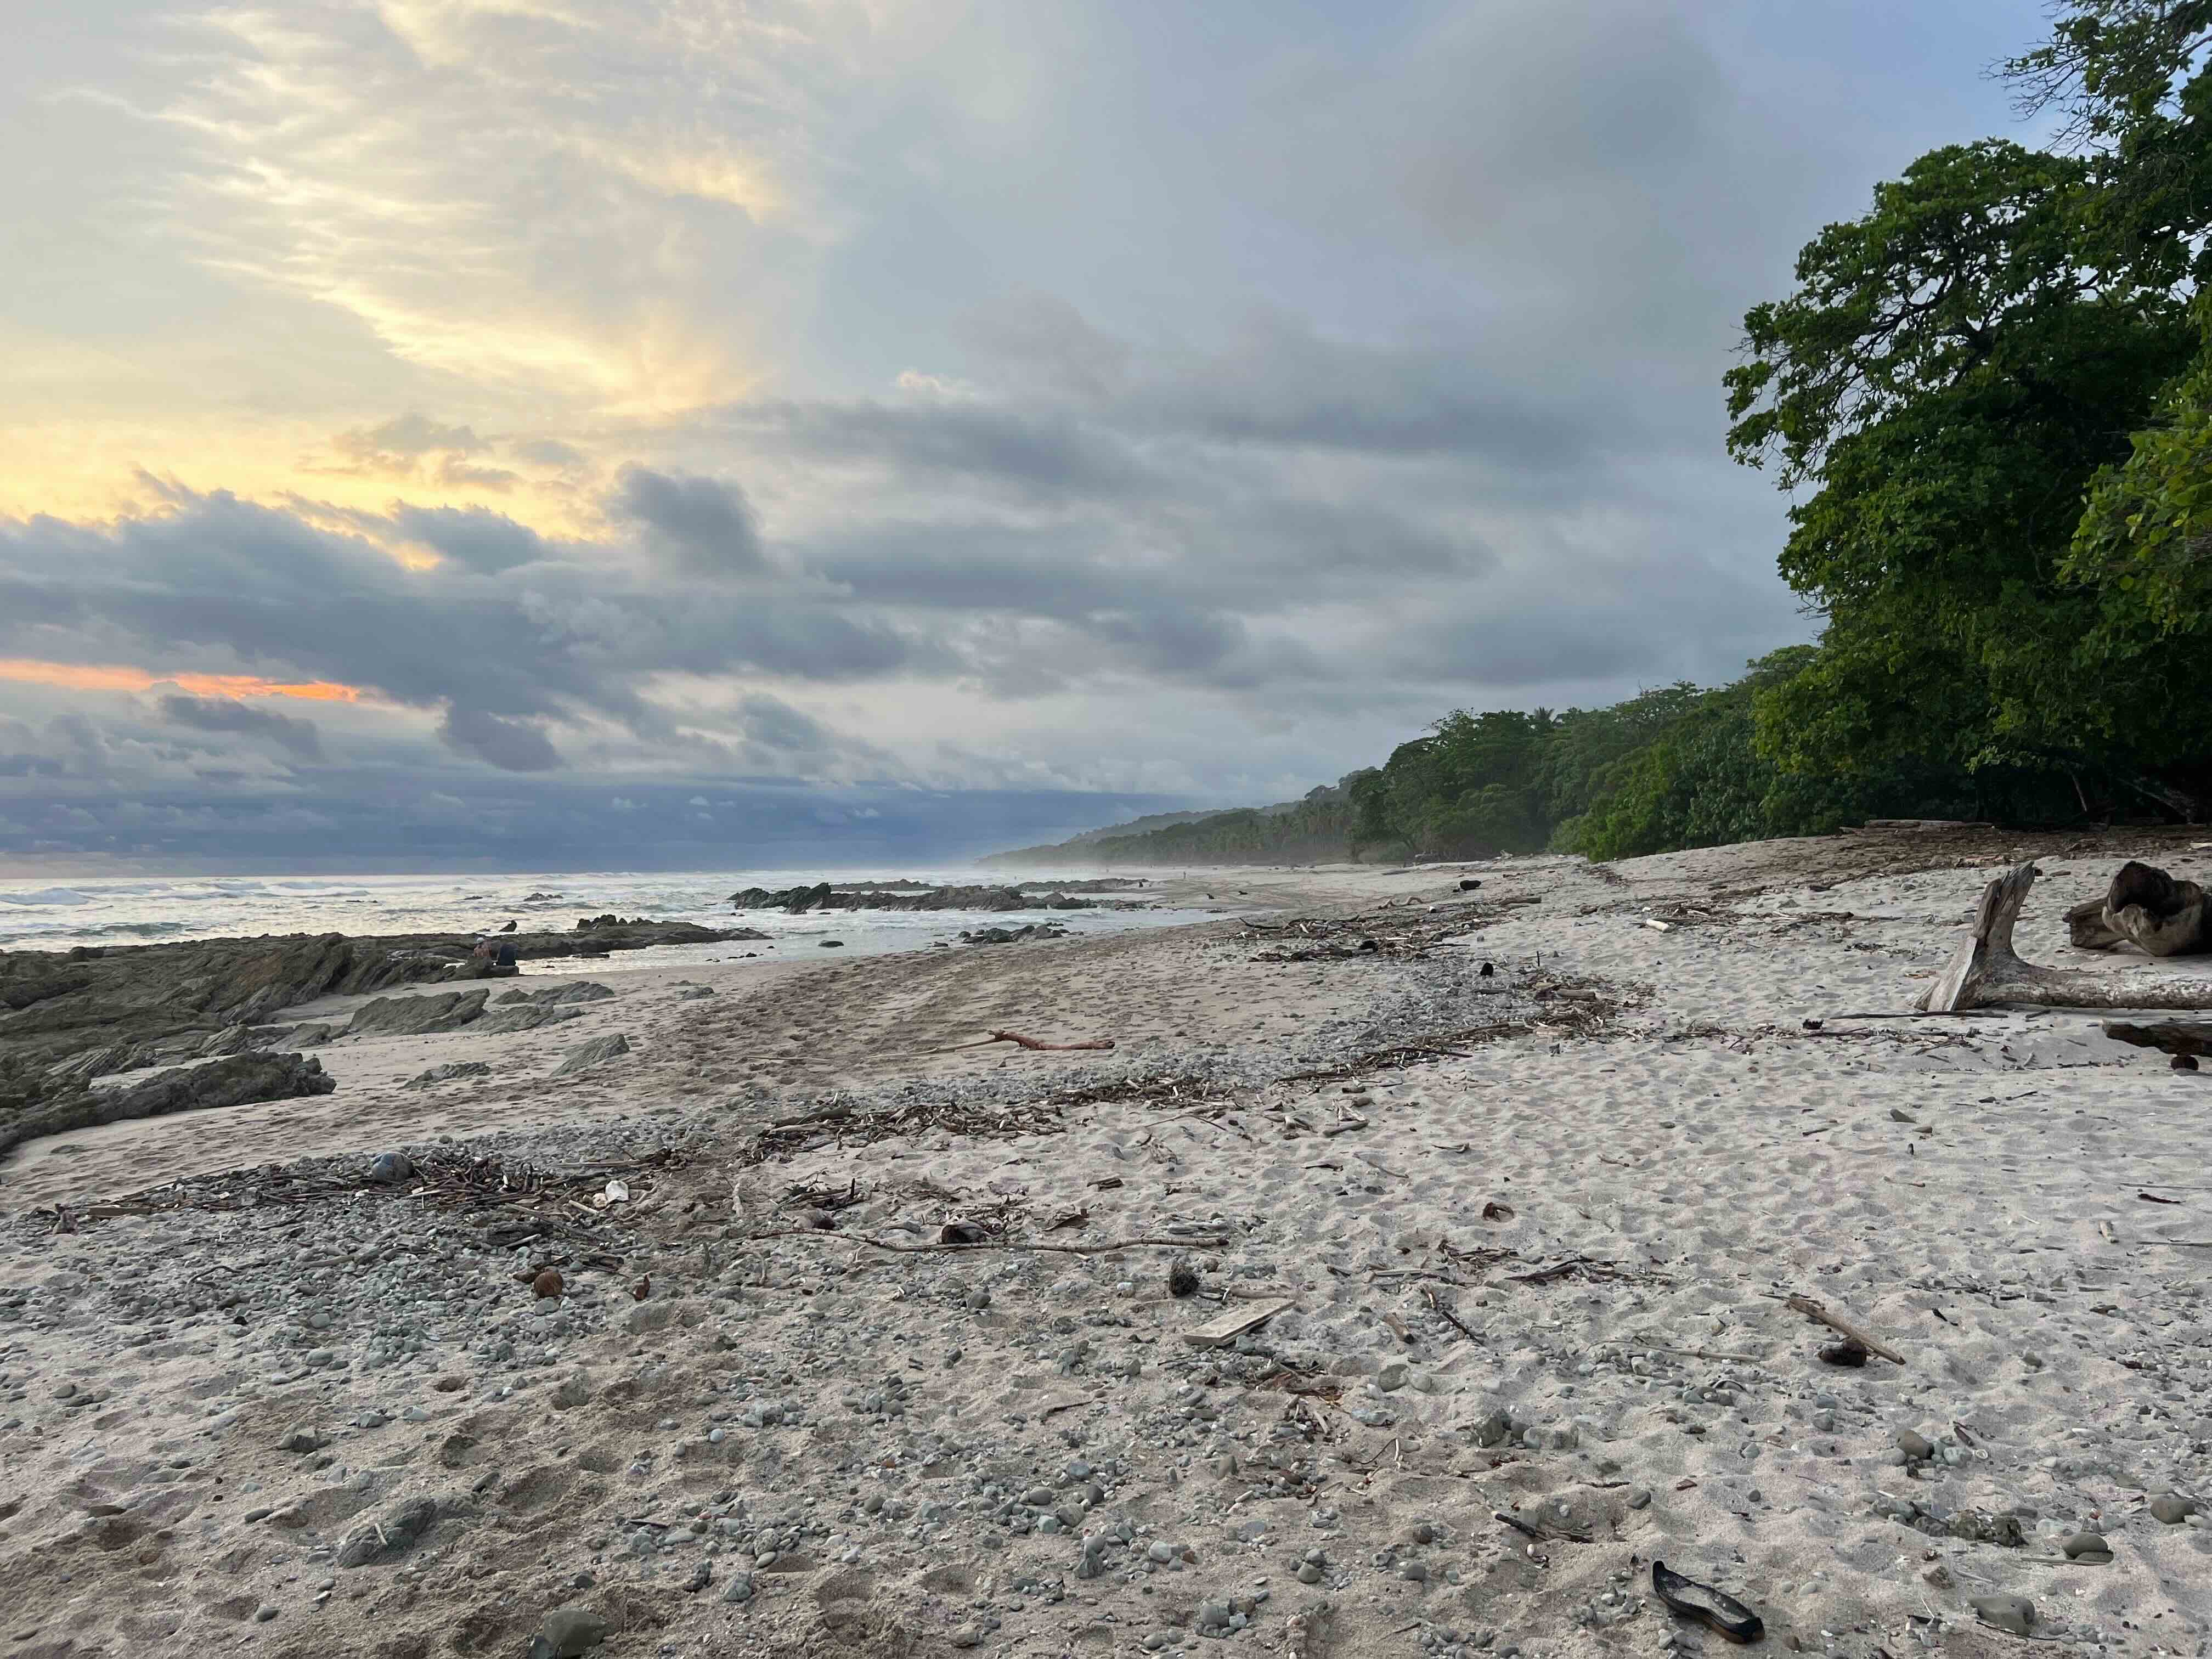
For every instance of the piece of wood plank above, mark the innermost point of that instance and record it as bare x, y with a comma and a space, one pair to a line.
1224, 1328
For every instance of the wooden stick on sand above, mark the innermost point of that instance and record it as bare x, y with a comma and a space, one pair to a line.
1814, 1311
1038, 1043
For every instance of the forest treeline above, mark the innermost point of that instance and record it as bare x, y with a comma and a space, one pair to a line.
1990, 398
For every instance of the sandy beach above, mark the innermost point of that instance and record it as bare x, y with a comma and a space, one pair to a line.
1509, 1205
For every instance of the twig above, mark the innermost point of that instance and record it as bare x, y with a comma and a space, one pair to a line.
826, 1237
1814, 1311
1439, 1303
1696, 1353
1036, 1042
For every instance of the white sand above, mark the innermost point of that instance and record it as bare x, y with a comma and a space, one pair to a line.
1713, 1151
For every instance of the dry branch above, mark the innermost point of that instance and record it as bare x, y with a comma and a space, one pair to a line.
822, 1236
1816, 1311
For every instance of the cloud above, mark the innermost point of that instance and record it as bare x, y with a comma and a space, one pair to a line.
703, 526
511, 745
297, 738
408, 438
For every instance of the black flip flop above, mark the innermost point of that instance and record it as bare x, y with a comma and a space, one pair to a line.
1706, 1605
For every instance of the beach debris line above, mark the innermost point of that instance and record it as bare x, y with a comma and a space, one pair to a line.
444, 1180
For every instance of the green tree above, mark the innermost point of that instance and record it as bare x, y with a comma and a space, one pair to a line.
1949, 374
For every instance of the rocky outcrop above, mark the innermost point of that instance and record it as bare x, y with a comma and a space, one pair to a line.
451, 1071
1013, 935
524, 1017
416, 1016
597, 1052
581, 991
101, 1009
899, 895
237, 1080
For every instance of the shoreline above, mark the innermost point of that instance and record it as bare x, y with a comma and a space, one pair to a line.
1536, 1269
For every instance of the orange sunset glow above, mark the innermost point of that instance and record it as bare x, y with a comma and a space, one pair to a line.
116, 676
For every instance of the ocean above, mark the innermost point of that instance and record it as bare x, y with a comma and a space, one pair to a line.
57, 915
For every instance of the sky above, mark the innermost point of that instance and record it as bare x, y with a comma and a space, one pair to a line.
560, 432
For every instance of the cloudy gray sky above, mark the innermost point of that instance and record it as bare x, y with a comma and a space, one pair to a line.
423, 415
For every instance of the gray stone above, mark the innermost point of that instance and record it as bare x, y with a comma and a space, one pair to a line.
553, 995
567, 1633
2016, 1613
416, 1016
1492, 1429
597, 1052
392, 1536
1639, 1497
1916, 1446
264, 1613
739, 1588
527, 1017
702, 1576
450, 1071
302, 1440
390, 1169
2172, 1509
1309, 1573
2087, 1547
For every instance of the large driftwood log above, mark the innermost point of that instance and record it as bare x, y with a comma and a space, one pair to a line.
1987, 969
2145, 908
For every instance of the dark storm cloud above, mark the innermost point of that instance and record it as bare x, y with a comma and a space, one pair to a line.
297, 738
477, 536
1032, 449
511, 745
706, 525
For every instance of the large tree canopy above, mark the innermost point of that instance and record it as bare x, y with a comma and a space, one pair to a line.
2006, 334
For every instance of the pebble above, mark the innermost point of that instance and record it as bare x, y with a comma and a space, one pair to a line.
390, 1169
1415, 1572
1916, 1446
1160, 1550
548, 1283
2016, 1613
1639, 1497
1309, 1573
264, 1613
2170, 1509
739, 1588
566, 1634
2087, 1547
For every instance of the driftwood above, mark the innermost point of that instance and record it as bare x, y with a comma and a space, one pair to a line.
2145, 908
1029, 1042
2180, 1036
1986, 968
1817, 1311
826, 1237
